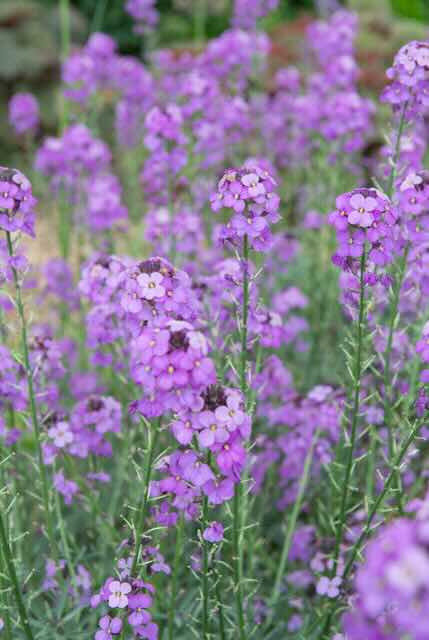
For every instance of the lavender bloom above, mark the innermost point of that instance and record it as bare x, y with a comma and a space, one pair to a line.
24, 113
392, 584
130, 598
249, 193
364, 219
16, 202
248, 12
214, 532
89, 70
144, 13
67, 488
409, 77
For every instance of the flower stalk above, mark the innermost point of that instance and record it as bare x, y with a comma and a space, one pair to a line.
152, 435
32, 400
351, 443
291, 526
10, 568
175, 577
393, 318
238, 515
378, 503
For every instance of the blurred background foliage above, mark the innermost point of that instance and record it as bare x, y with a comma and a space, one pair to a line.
30, 42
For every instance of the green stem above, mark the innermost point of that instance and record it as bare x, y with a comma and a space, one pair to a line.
150, 455
121, 474
275, 594
324, 634
175, 578
63, 536
371, 465
221, 615
200, 19
32, 400
98, 17
4, 597
350, 445
396, 291
387, 378
396, 153
238, 515
244, 319
10, 567
65, 51
205, 633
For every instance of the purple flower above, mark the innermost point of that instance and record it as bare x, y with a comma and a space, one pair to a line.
119, 594
211, 429
138, 604
150, 285
362, 208
409, 75
144, 13
249, 193
16, 202
24, 113
214, 532
219, 491
108, 628
196, 471
329, 587
67, 488
61, 434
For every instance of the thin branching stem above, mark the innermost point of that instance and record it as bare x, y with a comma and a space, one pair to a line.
152, 435
238, 523
394, 304
10, 568
32, 401
65, 51
178, 550
351, 443
220, 611
290, 529
205, 576
327, 623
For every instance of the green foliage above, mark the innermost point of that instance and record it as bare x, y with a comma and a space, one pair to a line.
416, 9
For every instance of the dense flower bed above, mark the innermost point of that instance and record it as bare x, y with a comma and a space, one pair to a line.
214, 389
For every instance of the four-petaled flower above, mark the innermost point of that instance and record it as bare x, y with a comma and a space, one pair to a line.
118, 594
108, 628
362, 208
150, 285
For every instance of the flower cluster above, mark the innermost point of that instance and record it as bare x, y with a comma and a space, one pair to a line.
153, 290
170, 363
250, 193
128, 601
332, 42
392, 584
13, 394
248, 12
320, 411
409, 75
166, 142
87, 71
218, 421
79, 163
24, 113
83, 434
68, 160
16, 202
144, 13
365, 224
